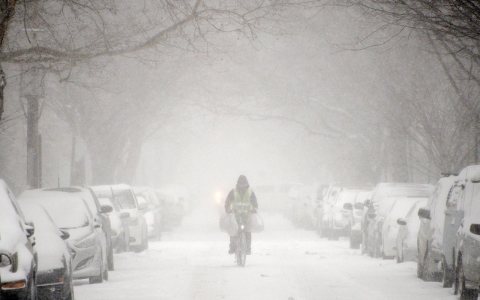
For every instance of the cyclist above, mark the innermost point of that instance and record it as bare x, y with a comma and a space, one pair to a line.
242, 202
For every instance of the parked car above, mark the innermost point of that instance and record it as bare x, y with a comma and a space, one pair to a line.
124, 197
119, 223
54, 272
174, 210
430, 234
305, 207
292, 197
467, 241
390, 227
407, 249
329, 196
18, 256
357, 209
99, 214
338, 216
154, 213
382, 198
86, 241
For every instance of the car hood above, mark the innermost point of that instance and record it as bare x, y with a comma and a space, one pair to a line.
51, 250
77, 234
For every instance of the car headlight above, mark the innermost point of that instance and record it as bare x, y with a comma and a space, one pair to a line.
133, 221
6, 261
88, 242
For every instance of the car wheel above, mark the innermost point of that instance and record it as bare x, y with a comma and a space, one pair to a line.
399, 256
110, 262
428, 274
465, 293
32, 295
364, 244
376, 246
447, 275
354, 244
99, 278
105, 274
70, 293
419, 269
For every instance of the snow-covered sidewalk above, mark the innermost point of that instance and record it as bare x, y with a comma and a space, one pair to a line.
287, 263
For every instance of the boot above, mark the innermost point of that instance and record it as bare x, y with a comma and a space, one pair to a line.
231, 250
248, 235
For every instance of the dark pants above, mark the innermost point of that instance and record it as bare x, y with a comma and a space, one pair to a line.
233, 241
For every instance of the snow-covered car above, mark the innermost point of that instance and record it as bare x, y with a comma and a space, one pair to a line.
178, 196
86, 242
54, 271
274, 195
430, 234
305, 207
357, 209
124, 197
154, 213
383, 197
292, 197
338, 215
18, 257
98, 212
406, 245
466, 219
325, 205
119, 224
389, 231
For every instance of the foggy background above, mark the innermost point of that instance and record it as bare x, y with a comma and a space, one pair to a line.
329, 97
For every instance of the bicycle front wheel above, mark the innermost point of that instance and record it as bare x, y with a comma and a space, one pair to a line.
241, 252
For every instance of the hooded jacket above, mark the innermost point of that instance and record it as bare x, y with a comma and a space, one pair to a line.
242, 187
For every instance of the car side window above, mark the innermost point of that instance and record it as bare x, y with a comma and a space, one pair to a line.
453, 197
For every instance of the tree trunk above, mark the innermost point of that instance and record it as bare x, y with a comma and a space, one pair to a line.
7, 10
133, 152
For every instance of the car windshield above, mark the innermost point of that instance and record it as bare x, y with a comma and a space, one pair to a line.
345, 197
400, 208
68, 215
124, 199
103, 192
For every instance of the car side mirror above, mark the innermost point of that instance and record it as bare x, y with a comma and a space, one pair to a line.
348, 206
358, 205
106, 209
142, 203
449, 212
424, 213
65, 235
124, 215
475, 229
30, 228
401, 221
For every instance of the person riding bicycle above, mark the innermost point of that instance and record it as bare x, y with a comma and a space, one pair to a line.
242, 202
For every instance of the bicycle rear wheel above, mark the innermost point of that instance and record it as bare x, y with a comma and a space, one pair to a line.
241, 251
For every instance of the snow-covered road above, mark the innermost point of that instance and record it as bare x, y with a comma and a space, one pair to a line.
287, 263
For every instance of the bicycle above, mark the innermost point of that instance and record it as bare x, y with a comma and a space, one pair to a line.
241, 249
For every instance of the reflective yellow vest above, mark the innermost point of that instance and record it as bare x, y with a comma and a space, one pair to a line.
241, 203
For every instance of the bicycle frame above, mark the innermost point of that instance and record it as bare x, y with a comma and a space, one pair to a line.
241, 249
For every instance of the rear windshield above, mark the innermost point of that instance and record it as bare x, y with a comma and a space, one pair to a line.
124, 199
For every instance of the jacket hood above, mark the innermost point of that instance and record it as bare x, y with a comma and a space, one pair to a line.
242, 182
